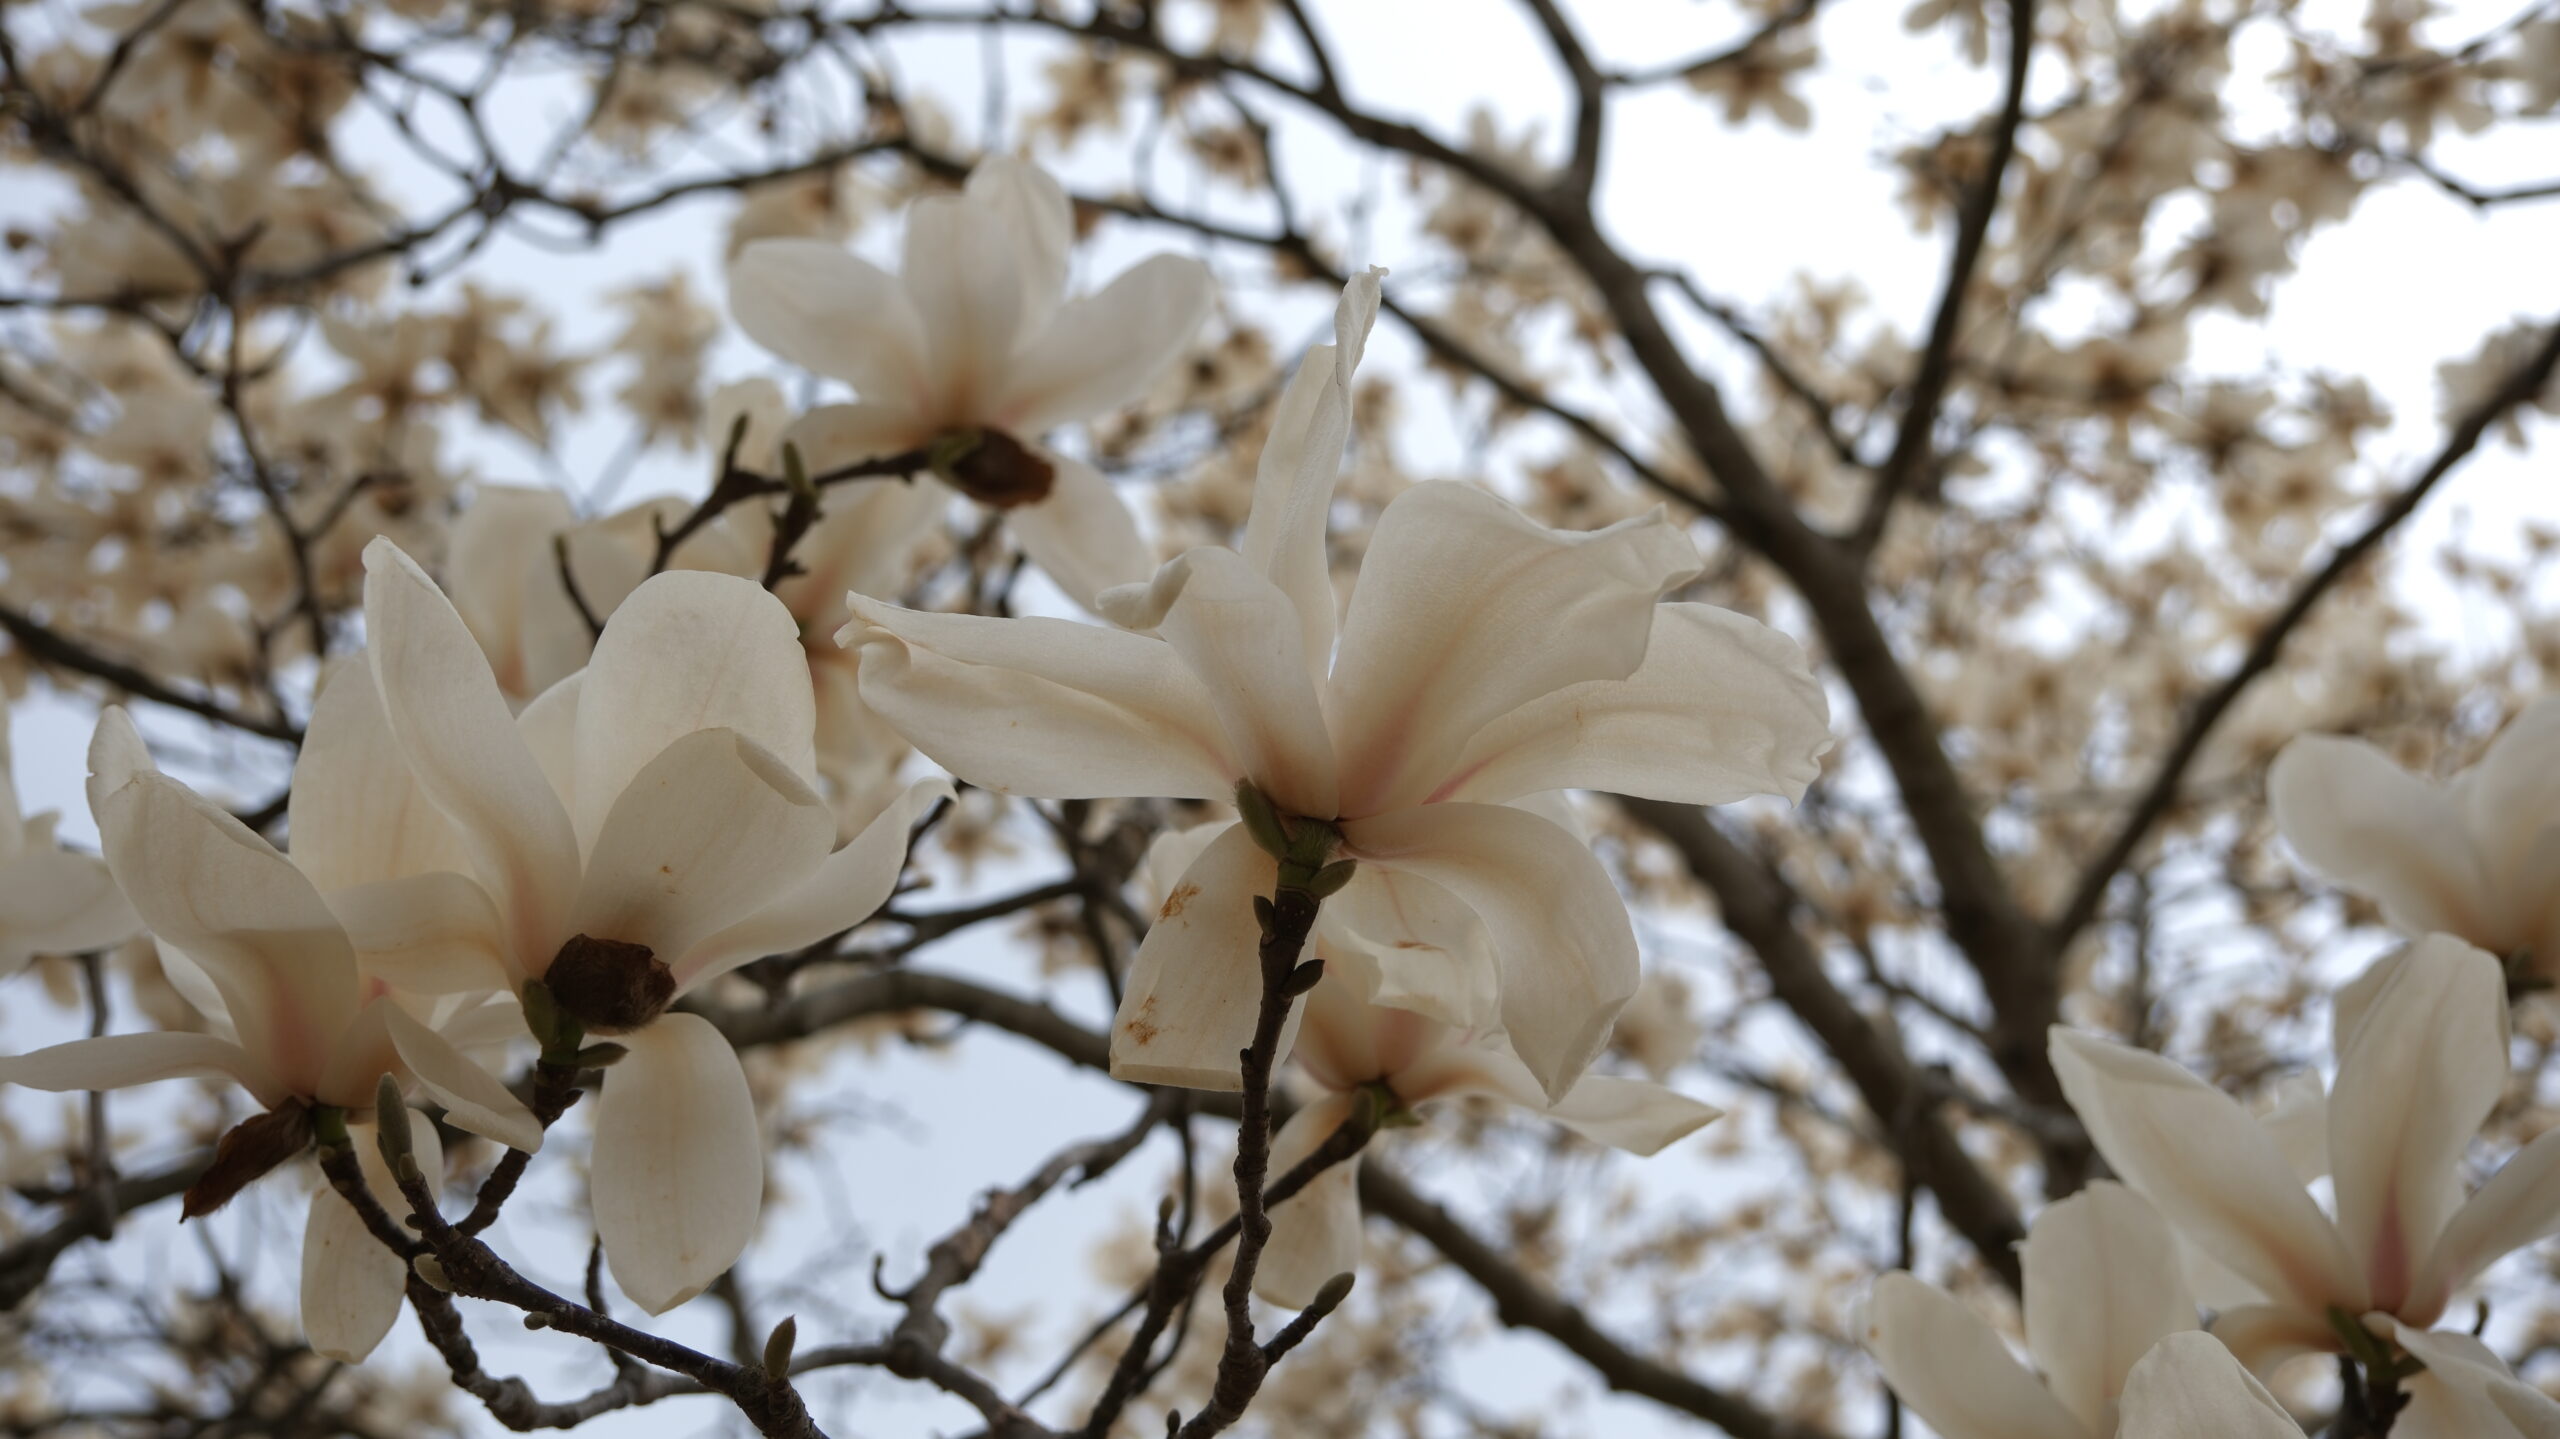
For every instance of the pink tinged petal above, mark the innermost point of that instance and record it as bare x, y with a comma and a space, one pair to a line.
679, 1162
55, 902
351, 1284
2415, 1080
465, 752
2467, 1392
428, 934
1561, 938
713, 830
2102, 1286
827, 311
832, 437
1040, 220
1405, 943
1466, 610
1082, 535
1102, 351
965, 277
500, 543
205, 884
1953, 1371
473, 1098
1315, 1233
1044, 708
1723, 707
689, 651
2519, 1206
1195, 987
2210, 1169
1237, 633
2368, 825
2190, 1387
121, 1061
355, 816
2265, 1337
848, 888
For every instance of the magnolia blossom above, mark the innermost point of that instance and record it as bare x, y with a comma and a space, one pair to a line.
1483, 658
2102, 1286
648, 824
52, 901
2421, 1046
972, 352
305, 1019
2478, 858
1354, 1053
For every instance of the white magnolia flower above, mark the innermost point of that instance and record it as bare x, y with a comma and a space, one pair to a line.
1483, 658
2102, 1285
2421, 1046
648, 824
2190, 1387
972, 352
52, 901
304, 1021
1356, 1053
2478, 858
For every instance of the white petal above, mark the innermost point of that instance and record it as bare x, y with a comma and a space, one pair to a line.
1039, 219
2520, 1205
690, 651
55, 902
1467, 609
1195, 988
865, 539
2511, 799
2189, 1387
713, 830
1039, 707
472, 1097
608, 559
2266, 1337
549, 728
1315, 1233
1406, 943
2370, 826
1722, 707
1635, 1115
501, 542
463, 748
351, 1283
832, 437
1953, 1371
679, 1162
1560, 933
844, 891
831, 313
1082, 534
427, 934
2210, 1169
355, 814
1102, 351
2414, 1083
121, 1061
2102, 1286
2468, 1393
965, 277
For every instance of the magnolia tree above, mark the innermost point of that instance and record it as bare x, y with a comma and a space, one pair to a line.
615, 600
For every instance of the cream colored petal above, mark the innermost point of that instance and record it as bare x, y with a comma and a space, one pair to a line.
1102, 351
608, 559
473, 1098
679, 1162
1045, 708
351, 1283
1952, 1370
1561, 937
55, 902
121, 1061
2368, 825
2189, 1387
428, 934
2102, 1286
2211, 1170
866, 539
500, 543
965, 277
1406, 943
2467, 1392
1723, 707
833, 437
1315, 1233
355, 814
688, 652
1466, 610
1195, 988
2266, 1337
2520, 1205
831, 313
549, 727
2511, 800
848, 888
1082, 536
1040, 221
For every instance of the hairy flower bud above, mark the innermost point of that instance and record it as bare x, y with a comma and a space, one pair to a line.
610, 986
993, 468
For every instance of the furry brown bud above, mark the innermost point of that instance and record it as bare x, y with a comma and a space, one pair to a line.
610, 986
994, 468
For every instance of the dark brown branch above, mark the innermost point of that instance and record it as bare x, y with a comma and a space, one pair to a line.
52, 647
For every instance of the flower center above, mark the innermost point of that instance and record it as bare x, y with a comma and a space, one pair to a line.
609, 986
993, 468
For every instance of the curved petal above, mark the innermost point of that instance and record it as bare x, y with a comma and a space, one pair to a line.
351, 1283
121, 1061
2103, 1285
2468, 1393
1240, 636
608, 558
428, 934
1102, 351
1293, 481
472, 1097
848, 888
713, 830
1560, 933
355, 815
2511, 798
1039, 219
1315, 1233
549, 727
1082, 535
2211, 1171
2368, 825
1953, 1371
690, 651
824, 309
56, 902
500, 543
1635, 1115
965, 278
1406, 943
2265, 1337
1467, 609
679, 1162
2415, 1080
1195, 987
463, 748
832, 437
1723, 707
2520, 1205
865, 539
2189, 1387
1044, 708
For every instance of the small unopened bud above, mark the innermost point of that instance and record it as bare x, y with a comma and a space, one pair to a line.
431, 1273
777, 1348
391, 1123
1330, 879
1303, 978
537, 1320
1335, 1290
795, 473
